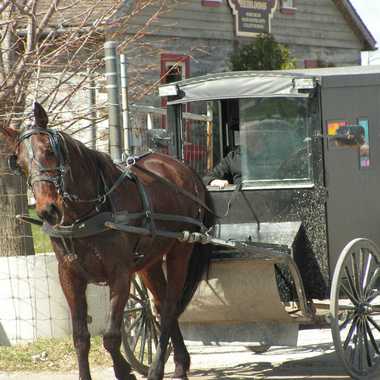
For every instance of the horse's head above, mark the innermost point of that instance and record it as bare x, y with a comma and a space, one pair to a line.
37, 153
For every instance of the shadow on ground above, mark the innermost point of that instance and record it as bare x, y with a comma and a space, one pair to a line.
325, 365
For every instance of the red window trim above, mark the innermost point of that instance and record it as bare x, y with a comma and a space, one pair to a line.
170, 57
287, 10
310, 63
211, 4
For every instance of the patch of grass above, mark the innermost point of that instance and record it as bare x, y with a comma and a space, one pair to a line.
50, 355
41, 241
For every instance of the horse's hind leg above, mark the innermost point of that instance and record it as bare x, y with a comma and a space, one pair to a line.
155, 281
177, 263
181, 355
74, 289
119, 292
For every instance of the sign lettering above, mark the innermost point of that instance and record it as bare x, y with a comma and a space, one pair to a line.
252, 17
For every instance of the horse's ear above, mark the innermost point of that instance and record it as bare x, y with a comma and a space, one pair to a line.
10, 136
40, 116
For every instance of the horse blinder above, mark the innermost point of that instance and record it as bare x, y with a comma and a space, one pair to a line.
13, 165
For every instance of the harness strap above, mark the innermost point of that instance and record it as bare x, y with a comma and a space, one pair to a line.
176, 188
96, 224
125, 174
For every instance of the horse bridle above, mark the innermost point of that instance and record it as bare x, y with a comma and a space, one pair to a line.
56, 142
41, 173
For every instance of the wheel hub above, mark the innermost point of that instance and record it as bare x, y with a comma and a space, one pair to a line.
364, 309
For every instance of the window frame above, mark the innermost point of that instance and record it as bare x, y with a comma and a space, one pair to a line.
287, 7
211, 3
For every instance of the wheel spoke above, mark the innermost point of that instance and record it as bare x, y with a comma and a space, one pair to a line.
132, 326
142, 343
371, 281
155, 329
366, 344
373, 296
352, 298
354, 294
150, 356
371, 337
133, 309
355, 272
347, 321
143, 293
135, 298
373, 323
139, 330
366, 267
361, 345
350, 332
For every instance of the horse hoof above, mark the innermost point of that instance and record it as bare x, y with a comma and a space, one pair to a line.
180, 378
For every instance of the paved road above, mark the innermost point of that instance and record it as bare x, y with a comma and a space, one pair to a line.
314, 358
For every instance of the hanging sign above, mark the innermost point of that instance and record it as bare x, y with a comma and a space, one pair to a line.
252, 17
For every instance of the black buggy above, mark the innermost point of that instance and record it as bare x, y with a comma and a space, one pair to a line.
302, 227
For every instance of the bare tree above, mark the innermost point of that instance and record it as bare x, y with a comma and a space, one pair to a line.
45, 44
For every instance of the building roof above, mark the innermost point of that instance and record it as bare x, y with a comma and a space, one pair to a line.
357, 24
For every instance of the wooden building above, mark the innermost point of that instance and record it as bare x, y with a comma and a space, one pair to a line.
201, 34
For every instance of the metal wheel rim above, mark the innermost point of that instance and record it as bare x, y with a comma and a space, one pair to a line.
141, 329
357, 271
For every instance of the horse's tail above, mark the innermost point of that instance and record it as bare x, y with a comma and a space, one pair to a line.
198, 265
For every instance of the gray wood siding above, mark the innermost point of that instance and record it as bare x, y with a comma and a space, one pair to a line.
316, 23
316, 31
189, 19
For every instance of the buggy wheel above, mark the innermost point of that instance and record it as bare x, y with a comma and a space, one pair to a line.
141, 328
355, 309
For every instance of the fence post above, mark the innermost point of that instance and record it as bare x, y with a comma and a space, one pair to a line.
128, 136
115, 133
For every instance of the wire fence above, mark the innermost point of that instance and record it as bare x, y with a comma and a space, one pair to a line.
31, 299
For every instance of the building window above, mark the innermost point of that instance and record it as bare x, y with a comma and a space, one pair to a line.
174, 67
212, 3
311, 63
287, 7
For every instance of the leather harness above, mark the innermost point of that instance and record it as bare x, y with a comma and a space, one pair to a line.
93, 225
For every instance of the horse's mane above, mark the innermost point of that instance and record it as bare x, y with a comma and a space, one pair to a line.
94, 160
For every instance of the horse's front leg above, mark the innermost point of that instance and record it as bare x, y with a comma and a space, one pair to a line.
74, 289
119, 292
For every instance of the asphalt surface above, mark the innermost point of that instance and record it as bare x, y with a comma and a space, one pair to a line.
314, 358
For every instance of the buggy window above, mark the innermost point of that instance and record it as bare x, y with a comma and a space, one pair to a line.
275, 141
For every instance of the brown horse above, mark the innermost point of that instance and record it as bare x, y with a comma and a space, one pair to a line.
73, 184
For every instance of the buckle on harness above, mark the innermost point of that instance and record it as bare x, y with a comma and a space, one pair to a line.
130, 161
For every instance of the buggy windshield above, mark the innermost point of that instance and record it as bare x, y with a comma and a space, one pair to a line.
275, 141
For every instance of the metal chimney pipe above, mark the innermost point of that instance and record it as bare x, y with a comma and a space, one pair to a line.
113, 91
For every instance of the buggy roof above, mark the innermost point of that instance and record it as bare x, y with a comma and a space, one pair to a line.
250, 84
